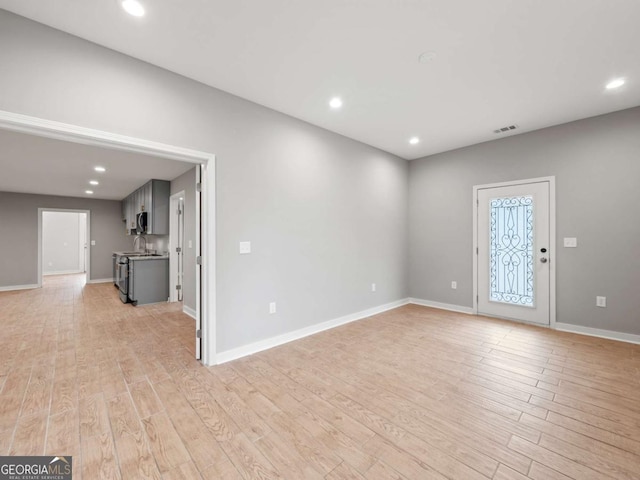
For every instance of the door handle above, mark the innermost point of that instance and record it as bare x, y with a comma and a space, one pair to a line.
543, 260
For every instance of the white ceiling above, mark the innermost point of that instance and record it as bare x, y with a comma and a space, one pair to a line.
499, 62
31, 164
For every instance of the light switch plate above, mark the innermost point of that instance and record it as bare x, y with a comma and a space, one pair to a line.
570, 242
601, 302
93, 243
245, 247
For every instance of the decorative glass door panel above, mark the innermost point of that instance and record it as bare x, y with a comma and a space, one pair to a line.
511, 273
513, 258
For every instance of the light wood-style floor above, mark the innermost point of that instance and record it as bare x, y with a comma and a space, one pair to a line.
415, 393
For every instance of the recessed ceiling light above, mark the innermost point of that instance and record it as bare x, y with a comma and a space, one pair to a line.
414, 140
133, 7
89, 192
618, 82
100, 169
94, 182
335, 102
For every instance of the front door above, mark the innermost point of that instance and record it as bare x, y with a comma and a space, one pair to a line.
514, 252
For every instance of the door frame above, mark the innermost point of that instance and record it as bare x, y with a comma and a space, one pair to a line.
552, 239
206, 249
84, 255
88, 240
173, 260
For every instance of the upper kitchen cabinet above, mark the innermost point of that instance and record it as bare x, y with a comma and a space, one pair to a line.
146, 196
125, 215
129, 209
152, 198
132, 211
128, 214
157, 206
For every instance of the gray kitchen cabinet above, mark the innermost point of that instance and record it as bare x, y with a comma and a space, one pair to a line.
148, 280
153, 198
125, 214
146, 196
159, 192
136, 200
128, 217
131, 212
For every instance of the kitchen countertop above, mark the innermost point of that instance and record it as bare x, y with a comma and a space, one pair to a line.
139, 256
147, 257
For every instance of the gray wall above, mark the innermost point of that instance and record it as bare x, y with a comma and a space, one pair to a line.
327, 216
187, 183
19, 234
61, 243
597, 167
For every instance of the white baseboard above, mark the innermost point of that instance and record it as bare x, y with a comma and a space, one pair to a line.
189, 311
61, 272
19, 287
101, 280
268, 343
597, 332
564, 327
441, 306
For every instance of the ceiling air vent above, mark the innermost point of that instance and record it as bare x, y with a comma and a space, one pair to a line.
505, 129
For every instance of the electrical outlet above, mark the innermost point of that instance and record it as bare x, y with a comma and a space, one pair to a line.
601, 302
272, 307
454, 284
190, 244
373, 287
245, 247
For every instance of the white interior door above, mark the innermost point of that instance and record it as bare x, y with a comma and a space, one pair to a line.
514, 252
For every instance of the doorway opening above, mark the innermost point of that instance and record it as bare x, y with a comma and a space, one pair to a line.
204, 241
63, 243
514, 250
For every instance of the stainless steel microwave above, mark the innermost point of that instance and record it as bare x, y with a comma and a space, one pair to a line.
141, 223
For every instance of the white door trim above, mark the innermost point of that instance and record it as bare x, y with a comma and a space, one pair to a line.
174, 232
202, 277
84, 246
88, 239
552, 240
73, 133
